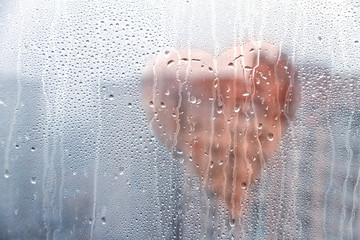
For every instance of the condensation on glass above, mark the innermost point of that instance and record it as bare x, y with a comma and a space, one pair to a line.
79, 158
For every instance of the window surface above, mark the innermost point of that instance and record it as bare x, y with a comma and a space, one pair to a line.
89, 150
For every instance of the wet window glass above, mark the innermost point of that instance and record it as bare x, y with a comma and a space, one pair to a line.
179, 119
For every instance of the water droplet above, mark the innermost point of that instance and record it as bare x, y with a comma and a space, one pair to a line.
111, 97
33, 180
151, 103
130, 105
245, 94
248, 68
243, 185
270, 137
6, 174
221, 162
260, 126
163, 105
169, 63
232, 222
33, 149
103, 220
211, 164
216, 83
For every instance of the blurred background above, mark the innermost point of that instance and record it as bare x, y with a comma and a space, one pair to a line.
78, 159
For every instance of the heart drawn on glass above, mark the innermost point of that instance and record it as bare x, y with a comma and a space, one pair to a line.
224, 116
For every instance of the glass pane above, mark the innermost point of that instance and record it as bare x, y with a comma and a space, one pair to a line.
179, 119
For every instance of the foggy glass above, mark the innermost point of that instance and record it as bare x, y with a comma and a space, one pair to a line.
79, 158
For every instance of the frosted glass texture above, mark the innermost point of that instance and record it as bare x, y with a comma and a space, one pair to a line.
79, 158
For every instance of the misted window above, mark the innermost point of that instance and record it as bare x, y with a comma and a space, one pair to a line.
179, 119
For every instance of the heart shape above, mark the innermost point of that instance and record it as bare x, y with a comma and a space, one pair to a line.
224, 115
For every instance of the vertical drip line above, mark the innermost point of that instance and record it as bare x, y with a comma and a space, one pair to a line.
63, 127
348, 148
97, 157
278, 92
177, 113
296, 158
233, 145
345, 190
154, 92
286, 111
186, 185
258, 47
177, 110
48, 171
60, 114
19, 91
244, 145
97, 150
155, 79
353, 107
233, 131
236, 121
51, 185
234, 142
355, 204
175, 22
187, 76
261, 155
289, 92
293, 76
214, 93
279, 124
247, 124
160, 230
46, 143
333, 144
